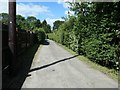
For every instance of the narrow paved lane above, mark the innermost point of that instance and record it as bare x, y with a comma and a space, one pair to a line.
53, 67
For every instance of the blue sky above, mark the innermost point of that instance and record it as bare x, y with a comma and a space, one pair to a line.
49, 11
45, 9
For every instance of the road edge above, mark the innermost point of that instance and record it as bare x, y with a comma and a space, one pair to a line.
109, 72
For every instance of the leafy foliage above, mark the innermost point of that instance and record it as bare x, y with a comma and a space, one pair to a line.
20, 22
93, 31
30, 24
4, 18
40, 34
46, 26
56, 24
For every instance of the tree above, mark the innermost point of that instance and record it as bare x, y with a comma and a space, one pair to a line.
4, 17
93, 31
21, 22
40, 34
46, 26
31, 22
38, 23
56, 24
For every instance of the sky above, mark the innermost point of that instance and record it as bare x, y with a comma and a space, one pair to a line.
49, 10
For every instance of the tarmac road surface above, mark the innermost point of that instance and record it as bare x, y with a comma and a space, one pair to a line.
54, 67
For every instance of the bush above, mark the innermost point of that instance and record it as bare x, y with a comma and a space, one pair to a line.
92, 33
40, 34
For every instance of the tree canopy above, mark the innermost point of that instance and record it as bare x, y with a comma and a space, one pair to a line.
29, 23
56, 24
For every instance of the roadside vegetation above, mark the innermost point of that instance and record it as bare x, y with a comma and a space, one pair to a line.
93, 32
30, 24
112, 73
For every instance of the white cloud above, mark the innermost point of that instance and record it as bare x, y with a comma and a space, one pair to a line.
61, 1
66, 6
4, 6
26, 9
51, 21
31, 9
64, 2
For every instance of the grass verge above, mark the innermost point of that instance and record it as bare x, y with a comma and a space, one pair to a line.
109, 72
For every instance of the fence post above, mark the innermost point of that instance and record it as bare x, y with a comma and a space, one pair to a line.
12, 36
29, 38
25, 39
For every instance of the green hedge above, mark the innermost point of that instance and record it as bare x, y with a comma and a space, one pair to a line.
40, 34
95, 36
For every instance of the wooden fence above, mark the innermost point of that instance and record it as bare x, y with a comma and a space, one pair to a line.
25, 39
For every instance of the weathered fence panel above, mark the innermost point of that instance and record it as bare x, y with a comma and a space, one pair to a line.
5, 48
24, 40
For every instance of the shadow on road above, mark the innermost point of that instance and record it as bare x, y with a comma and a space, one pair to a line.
53, 63
46, 42
25, 61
